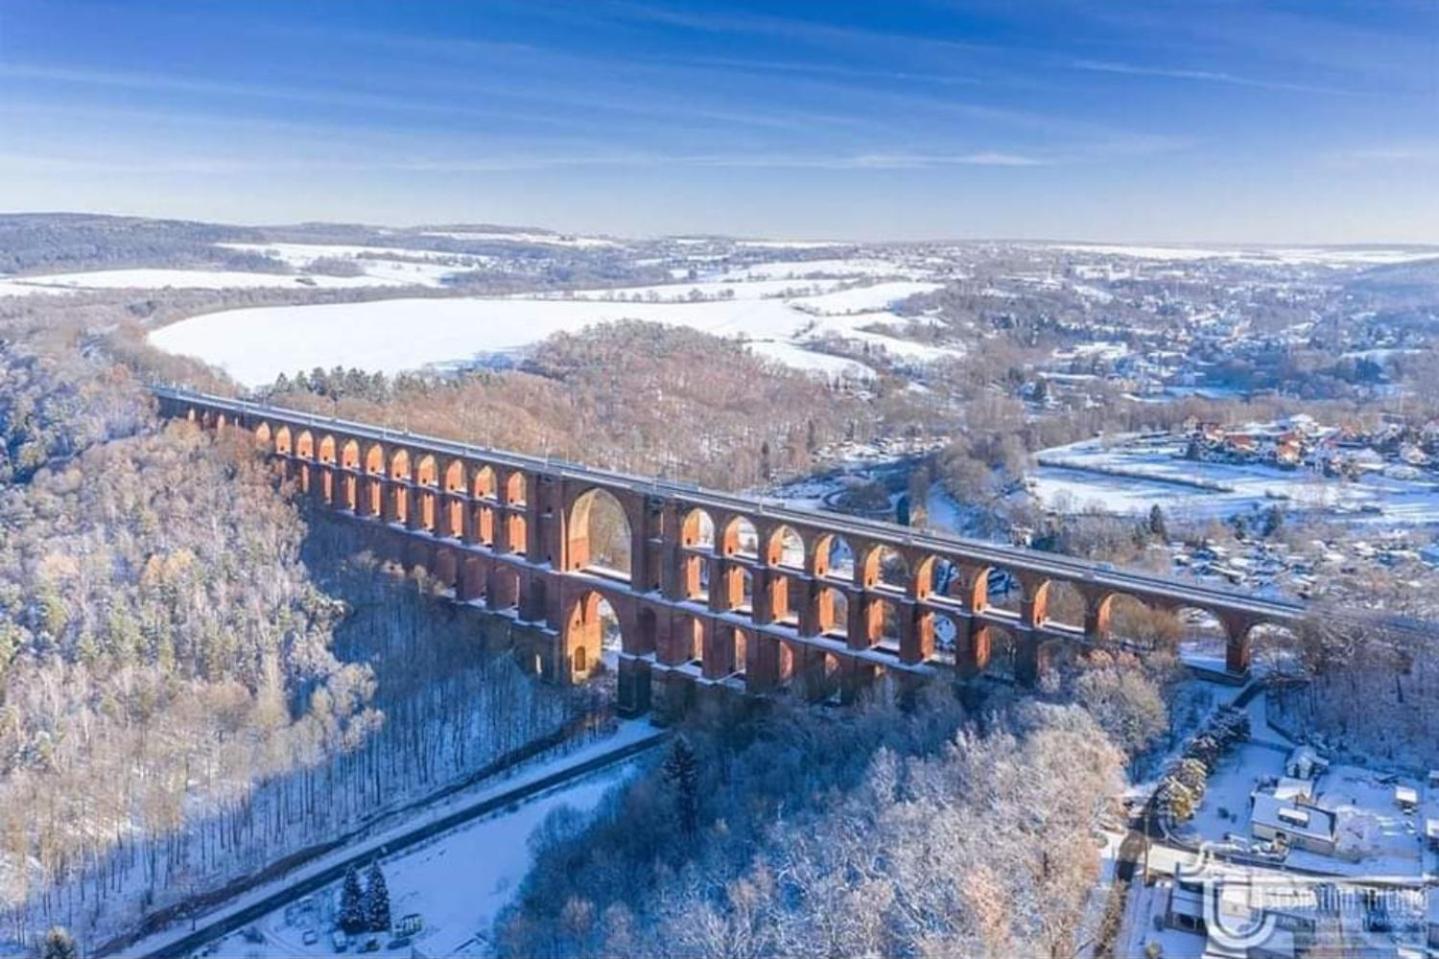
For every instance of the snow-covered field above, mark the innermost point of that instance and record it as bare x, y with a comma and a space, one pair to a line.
1128, 481
159, 278
255, 345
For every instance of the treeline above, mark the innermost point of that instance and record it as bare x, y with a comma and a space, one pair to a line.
62, 242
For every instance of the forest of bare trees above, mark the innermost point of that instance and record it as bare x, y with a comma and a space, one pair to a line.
638, 397
192, 684
885, 832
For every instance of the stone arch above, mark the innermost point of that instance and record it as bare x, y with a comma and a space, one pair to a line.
687, 640
1000, 651
397, 507
1132, 622
482, 523
831, 611
474, 579
1053, 658
1273, 641
833, 558
817, 675
886, 568
697, 530
947, 634
740, 538
503, 592
694, 577
993, 588
373, 501
516, 527
453, 500
921, 584
516, 489
483, 484
452, 477
264, 435
726, 648
593, 633
348, 495
883, 624
738, 593
785, 596
447, 570
1204, 636
305, 445
325, 453
943, 578
785, 547
599, 534
1062, 604
427, 470
426, 481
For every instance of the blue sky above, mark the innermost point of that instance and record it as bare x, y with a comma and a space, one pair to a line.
1219, 120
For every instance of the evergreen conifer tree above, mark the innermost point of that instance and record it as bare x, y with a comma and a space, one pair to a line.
352, 903
377, 899
681, 771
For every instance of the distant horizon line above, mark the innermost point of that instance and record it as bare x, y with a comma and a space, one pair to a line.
762, 238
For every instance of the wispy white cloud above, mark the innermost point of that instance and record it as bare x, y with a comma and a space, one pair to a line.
1202, 76
455, 102
513, 163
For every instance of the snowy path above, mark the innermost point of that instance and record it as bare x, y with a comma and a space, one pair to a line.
632, 738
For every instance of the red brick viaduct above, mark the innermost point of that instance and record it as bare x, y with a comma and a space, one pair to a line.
722, 591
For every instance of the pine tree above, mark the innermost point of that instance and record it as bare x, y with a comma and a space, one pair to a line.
352, 903
766, 470
377, 899
681, 771
1157, 526
59, 944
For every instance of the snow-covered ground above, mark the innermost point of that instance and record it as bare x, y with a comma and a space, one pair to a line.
406, 334
1128, 480
513, 832
159, 278
457, 882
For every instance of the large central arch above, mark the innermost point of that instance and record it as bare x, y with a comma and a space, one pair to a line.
593, 635
600, 538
